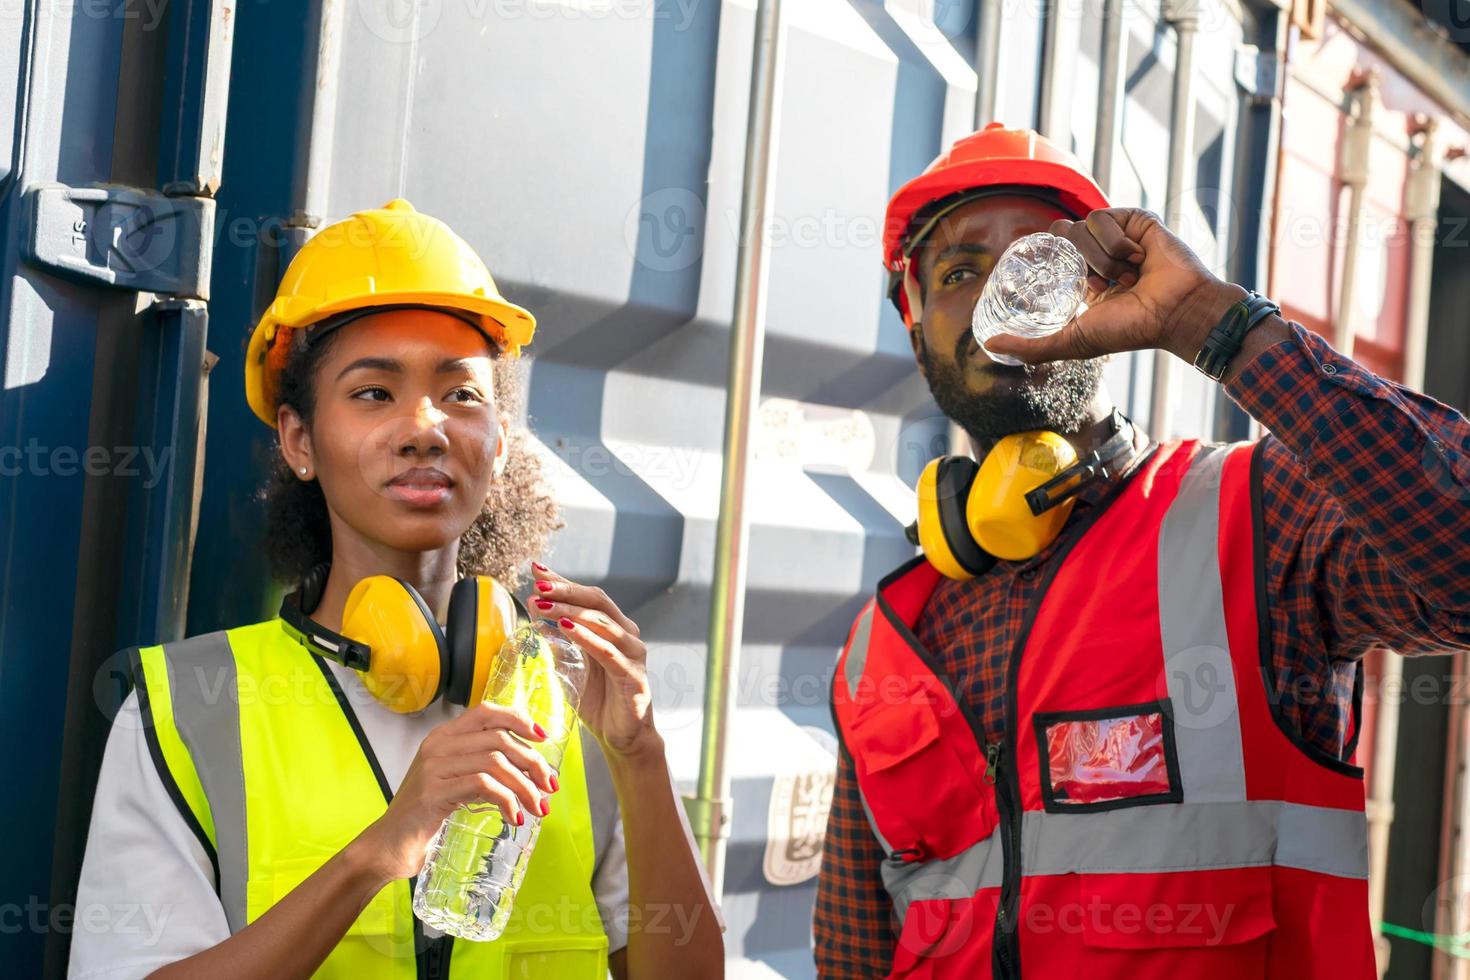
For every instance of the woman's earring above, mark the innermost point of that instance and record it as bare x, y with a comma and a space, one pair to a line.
303, 471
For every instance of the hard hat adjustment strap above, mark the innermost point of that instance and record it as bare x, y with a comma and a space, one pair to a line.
315, 331
961, 198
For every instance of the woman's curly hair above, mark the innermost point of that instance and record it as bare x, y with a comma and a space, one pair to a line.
519, 514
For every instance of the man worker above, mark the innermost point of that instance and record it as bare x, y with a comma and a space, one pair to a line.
1128, 755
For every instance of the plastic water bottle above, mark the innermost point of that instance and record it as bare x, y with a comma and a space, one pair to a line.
477, 860
1034, 290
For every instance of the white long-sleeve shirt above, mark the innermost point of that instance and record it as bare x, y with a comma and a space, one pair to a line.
146, 896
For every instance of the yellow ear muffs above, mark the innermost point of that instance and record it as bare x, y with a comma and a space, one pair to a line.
410, 657
941, 529
390, 637
1011, 505
997, 512
972, 513
482, 614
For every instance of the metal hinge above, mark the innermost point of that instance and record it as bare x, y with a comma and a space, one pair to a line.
708, 819
1258, 73
123, 237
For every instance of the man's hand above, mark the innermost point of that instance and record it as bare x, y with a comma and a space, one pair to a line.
1147, 290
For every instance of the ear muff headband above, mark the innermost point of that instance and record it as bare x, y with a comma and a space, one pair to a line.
296, 610
464, 600
1091, 467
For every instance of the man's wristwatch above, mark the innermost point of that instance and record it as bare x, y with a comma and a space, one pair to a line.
1225, 340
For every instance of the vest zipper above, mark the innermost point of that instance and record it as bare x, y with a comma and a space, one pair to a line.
1005, 939
437, 957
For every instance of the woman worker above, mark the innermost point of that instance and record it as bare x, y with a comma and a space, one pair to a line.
267, 792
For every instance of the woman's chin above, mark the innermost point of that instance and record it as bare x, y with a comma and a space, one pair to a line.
419, 531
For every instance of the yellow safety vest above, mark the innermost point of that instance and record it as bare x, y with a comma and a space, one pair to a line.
267, 763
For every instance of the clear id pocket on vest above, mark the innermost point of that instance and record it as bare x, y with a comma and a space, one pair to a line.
1107, 758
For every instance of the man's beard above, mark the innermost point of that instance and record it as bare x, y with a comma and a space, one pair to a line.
1060, 402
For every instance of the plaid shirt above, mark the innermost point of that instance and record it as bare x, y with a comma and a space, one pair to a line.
1365, 490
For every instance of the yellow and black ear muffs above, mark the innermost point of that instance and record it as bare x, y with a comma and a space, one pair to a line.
1011, 505
389, 635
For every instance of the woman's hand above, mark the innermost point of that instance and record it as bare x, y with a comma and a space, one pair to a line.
617, 704
618, 707
481, 756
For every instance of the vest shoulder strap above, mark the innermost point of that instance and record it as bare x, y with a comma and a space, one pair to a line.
191, 688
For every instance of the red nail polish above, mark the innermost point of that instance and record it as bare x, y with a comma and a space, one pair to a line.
540, 732
545, 808
520, 818
554, 784
566, 623
539, 567
543, 586
544, 603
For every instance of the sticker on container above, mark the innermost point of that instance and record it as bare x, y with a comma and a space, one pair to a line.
795, 826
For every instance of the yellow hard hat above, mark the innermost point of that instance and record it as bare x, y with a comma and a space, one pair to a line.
388, 256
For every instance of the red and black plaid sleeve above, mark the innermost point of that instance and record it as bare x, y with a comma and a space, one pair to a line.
1366, 500
851, 924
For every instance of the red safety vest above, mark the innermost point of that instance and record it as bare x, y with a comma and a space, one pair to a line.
1145, 813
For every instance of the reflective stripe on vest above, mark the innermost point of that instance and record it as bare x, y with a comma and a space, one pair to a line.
201, 671
247, 719
1243, 801
1170, 837
857, 655
1196, 648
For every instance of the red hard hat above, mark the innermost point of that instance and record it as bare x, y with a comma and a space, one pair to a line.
993, 157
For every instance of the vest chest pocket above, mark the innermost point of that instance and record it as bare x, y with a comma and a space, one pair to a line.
568, 958
279, 878
1213, 924
921, 788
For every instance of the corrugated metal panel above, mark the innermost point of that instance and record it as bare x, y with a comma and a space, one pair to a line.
1213, 204
1312, 234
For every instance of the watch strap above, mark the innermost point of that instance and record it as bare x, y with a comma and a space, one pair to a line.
1227, 337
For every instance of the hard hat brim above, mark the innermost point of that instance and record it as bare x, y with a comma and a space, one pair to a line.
1075, 191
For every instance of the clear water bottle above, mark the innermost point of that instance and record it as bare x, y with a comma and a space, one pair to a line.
477, 860
1034, 290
